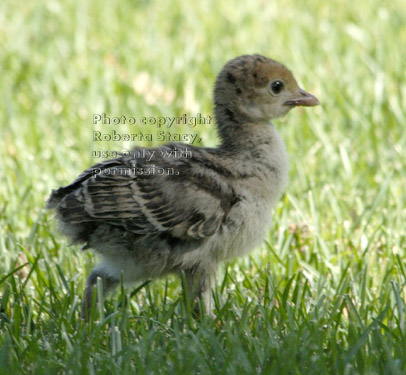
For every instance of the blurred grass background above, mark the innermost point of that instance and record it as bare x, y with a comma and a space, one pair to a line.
326, 295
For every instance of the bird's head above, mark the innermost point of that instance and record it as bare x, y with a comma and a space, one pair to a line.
256, 89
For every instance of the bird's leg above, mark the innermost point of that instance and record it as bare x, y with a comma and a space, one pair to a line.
109, 283
198, 284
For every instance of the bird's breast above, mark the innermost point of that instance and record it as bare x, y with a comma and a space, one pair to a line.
249, 220
246, 225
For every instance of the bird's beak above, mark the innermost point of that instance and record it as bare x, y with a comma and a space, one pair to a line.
303, 98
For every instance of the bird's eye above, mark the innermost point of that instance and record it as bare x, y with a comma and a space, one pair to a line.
277, 87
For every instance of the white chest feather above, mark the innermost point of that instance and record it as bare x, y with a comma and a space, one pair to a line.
249, 220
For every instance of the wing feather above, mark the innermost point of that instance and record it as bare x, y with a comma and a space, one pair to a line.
189, 204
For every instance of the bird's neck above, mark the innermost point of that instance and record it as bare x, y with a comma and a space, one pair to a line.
238, 132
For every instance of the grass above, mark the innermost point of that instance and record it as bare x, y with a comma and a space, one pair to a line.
324, 295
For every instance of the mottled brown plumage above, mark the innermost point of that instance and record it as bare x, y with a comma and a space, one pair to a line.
210, 206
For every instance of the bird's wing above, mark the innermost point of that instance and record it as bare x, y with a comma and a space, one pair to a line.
187, 198
59, 194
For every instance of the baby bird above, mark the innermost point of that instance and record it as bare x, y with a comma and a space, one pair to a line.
198, 210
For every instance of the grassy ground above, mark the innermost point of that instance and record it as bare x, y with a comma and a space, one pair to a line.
324, 295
